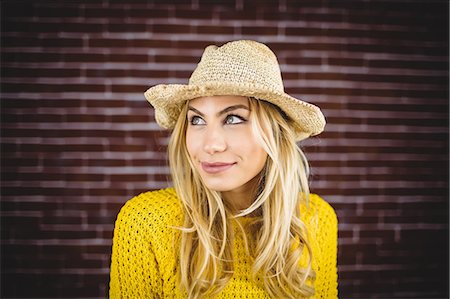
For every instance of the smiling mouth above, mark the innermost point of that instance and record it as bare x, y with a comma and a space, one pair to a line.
214, 168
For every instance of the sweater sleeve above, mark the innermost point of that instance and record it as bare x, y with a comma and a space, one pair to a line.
132, 255
327, 236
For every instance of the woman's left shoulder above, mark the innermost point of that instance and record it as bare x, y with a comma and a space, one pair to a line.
324, 209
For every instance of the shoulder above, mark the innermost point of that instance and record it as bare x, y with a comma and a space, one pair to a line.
324, 210
152, 208
322, 225
319, 216
323, 232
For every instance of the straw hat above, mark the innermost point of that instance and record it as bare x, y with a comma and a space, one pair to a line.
242, 68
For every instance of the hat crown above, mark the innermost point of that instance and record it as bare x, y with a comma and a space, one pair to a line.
242, 62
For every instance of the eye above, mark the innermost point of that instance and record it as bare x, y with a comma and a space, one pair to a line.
196, 120
234, 119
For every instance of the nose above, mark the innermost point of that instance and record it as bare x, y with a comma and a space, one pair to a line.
214, 141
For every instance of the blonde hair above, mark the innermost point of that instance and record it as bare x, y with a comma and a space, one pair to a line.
206, 259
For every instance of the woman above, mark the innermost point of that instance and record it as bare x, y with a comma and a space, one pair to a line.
239, 222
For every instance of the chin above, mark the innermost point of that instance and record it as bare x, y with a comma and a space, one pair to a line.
218, 186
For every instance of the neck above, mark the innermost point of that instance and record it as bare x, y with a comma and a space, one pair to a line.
241, 198
237, 201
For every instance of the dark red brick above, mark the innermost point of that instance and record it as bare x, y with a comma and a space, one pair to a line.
215, 30
169, 28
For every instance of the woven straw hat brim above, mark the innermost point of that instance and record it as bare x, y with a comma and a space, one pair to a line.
168, 100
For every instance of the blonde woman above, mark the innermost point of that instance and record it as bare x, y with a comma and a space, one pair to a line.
240, 221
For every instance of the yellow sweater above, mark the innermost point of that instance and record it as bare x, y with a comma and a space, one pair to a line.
144, 261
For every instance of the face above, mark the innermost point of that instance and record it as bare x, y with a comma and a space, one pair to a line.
221, 143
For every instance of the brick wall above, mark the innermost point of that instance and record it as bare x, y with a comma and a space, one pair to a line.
79, 139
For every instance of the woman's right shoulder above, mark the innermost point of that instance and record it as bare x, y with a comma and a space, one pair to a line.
153, 207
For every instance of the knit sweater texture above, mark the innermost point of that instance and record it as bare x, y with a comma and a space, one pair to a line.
146, 241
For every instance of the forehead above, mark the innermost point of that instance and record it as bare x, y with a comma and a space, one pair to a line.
218, 101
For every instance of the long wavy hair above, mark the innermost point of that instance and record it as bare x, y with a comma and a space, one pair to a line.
205, 257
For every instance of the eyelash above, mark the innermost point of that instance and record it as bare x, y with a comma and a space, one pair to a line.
191, 120
242, 119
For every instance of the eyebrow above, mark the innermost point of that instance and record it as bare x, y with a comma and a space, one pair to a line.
228, 109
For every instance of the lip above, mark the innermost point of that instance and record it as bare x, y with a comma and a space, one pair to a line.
217, 167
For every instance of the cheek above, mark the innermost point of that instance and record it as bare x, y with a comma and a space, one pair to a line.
260, 157
250, 149
258, 153
194, 145
190, 143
